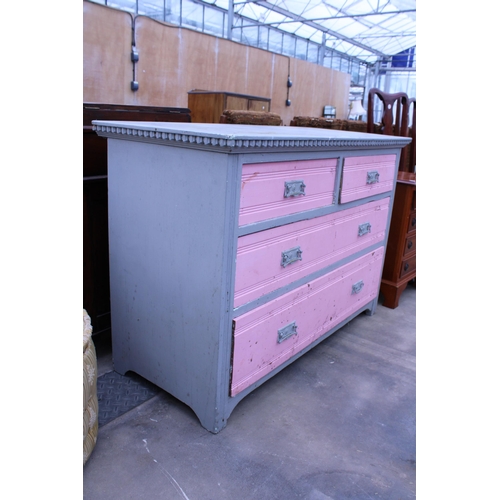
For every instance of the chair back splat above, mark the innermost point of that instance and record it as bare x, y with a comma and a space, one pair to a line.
394, 118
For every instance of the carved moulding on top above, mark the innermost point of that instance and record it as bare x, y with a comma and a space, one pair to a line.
223, 142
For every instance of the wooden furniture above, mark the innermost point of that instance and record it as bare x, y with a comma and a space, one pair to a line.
394, 117
207, 106
245, 117
401, 259
95, 201
400, 265
412, 132
234, 249
330, 123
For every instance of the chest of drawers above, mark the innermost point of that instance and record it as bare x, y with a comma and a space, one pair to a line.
235, 249
401, 257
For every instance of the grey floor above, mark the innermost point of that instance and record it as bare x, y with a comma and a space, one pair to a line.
339, 423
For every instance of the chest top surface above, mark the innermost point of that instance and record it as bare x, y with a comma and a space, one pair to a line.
229, 136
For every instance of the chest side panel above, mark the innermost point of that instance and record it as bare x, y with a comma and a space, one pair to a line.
270, 190
168, 298
270, 259
365, 176
267, 336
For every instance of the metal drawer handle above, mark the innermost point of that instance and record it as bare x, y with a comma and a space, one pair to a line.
413, 222
290, 256
294, 188
372, 177
357, 287
364, 229
410, 244
287, 331
407, 266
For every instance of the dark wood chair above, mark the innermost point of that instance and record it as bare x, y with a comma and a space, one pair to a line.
392, 123
394, 117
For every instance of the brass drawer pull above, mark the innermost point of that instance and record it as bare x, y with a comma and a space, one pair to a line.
294, 188
287, 331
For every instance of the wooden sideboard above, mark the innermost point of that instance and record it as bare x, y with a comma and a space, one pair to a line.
234, 249
401, 258
95, 201
207, 106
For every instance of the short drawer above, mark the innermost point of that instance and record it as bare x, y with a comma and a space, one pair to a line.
410, 244
364, 176
270, 259
270, 190
269, 335
408, 266
412, 221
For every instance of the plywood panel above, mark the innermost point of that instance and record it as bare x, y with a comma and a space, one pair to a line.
260, 72
315, 87
173, 61
158, 70
279, 88
198, 61
232, 67
107, 69
304, 82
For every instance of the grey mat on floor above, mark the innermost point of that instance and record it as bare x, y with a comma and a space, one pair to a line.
118, 394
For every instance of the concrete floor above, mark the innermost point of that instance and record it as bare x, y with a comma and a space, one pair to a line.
339, 423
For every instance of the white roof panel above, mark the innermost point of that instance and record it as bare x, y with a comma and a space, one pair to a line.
367, 29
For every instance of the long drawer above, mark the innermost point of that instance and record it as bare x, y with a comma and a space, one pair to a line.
267, 336
270, 190
270, 259
364, 176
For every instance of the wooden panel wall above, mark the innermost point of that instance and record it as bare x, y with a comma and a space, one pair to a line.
107, 69
173, 61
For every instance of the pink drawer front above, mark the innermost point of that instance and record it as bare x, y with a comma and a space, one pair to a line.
273, 258
366, 176
267, 336
270, 190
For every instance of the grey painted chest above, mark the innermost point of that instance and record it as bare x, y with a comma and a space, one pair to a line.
235, 249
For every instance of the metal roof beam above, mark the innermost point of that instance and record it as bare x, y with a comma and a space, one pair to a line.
318, 27
353, 16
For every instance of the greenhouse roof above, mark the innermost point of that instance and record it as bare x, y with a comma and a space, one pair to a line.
364, 29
